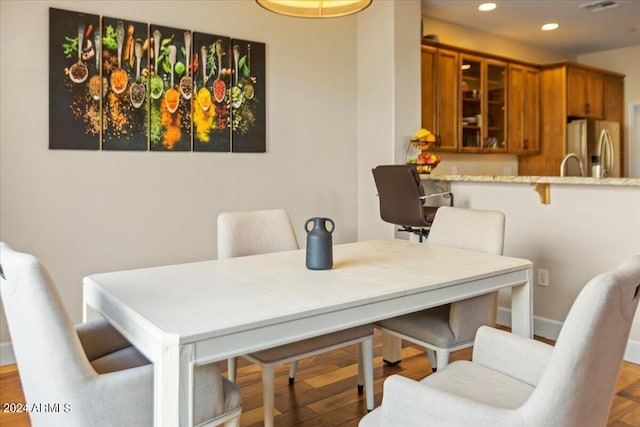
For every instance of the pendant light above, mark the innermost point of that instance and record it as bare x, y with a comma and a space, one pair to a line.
314, 8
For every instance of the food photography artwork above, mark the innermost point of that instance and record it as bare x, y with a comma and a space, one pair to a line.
171, 89
123, 89
117, 84
211, 112
74, 112
247, 97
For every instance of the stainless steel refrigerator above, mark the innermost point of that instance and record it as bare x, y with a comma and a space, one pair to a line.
597, 144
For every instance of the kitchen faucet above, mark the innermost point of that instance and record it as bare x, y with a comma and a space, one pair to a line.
566, 158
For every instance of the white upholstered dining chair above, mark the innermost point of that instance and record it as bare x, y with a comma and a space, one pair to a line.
516, 382
263, 231
452, 327
88, 375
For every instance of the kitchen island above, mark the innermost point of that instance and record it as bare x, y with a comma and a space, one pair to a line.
590, 226
541, 184
564, 180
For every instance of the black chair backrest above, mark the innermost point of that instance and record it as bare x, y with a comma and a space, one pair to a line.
399, 191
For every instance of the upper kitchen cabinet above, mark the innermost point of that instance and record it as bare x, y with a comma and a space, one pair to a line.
585, 92
523, 111
470, 101
483, 104
613, 96
440, 96
569, 91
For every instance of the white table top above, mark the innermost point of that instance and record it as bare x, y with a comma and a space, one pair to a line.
181, 315
187, 303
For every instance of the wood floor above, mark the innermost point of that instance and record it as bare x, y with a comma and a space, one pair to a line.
325, 391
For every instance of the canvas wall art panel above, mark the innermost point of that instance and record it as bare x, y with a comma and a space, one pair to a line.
211, 109
119, 84
247, 97
74, 113
171, 89
125, 105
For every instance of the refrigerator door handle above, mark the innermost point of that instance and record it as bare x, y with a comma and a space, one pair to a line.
605, 148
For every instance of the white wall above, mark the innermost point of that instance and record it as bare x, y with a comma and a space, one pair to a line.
388, 99
585, 230
86, 212
482, 41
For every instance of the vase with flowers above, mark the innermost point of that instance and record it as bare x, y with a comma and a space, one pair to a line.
418, 152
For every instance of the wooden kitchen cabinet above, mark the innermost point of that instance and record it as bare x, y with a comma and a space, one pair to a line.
465, 107
563, 88
440, 96
483, 104
523, 109
614, 109
585, 93
613, 96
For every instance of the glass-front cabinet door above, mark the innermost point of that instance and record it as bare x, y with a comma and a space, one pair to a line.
496, 111
471, 85
483, 97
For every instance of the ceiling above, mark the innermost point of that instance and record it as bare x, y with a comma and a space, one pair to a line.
581, 30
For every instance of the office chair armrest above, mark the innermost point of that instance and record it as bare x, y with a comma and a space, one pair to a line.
519, 357
444, 193
407, 402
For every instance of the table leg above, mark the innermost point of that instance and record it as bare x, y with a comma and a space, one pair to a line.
88, 313
522, 307
173, 398
391, 349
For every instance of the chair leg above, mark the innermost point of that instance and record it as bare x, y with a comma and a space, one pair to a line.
391, 349
432, 359
232, 369
443, 359
292, 371
366, 355
268, 392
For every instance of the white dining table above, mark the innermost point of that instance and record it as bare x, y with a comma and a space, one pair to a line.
182, 315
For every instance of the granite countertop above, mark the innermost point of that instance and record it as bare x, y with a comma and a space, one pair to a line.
570, 180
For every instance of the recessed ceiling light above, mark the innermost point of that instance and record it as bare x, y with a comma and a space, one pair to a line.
485, 7
550, 26
599, 5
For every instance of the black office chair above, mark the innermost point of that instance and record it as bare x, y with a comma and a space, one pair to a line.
402, 199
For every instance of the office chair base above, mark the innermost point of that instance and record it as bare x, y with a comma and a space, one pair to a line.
422, 233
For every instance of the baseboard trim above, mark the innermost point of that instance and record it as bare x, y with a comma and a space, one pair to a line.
6, 354
632, 354
550, 329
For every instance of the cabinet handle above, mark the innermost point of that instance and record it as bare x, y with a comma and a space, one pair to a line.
588, 108
525, 144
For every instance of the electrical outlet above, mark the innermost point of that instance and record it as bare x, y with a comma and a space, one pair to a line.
543, 277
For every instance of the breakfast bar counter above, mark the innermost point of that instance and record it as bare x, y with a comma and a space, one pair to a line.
566, 180
540, 184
